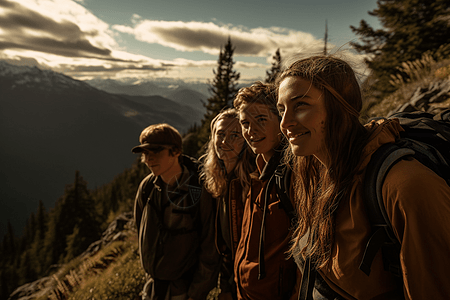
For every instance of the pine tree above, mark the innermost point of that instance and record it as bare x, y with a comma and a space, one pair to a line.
41, 221
223, 89
9, 241
224, 84
271, 74
410, 28
74, 211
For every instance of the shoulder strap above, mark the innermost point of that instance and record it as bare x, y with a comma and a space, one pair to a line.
146, 189
380, 164
283, 176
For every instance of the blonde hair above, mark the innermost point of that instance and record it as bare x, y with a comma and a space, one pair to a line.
318, 188
213, 172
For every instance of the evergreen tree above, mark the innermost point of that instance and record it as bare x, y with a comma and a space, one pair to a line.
9, 241
74, 211
41, 221
223, 89
271, 74
410, 28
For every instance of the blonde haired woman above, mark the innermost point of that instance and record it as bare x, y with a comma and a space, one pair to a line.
227, 165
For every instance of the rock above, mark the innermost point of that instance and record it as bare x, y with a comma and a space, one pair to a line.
32, 290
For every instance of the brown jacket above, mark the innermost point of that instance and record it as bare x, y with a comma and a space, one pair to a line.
230, 209
418, 204
280, 272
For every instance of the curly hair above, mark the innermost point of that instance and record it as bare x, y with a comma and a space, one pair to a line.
259, 92
213, 172
319, 188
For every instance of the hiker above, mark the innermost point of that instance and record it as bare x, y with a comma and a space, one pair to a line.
319, 100
227, 165
262, 268
174, 216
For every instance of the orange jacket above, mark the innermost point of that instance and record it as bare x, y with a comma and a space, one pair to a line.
280, 277
418, 205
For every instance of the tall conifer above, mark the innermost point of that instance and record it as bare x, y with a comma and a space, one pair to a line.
223, 89
410, 28
271, 74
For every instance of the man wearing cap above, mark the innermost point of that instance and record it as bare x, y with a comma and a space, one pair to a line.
174, 216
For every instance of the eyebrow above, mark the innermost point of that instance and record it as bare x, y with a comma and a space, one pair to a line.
261, 115
298, 97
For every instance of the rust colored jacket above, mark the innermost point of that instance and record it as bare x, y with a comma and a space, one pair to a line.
417, 202
280, 272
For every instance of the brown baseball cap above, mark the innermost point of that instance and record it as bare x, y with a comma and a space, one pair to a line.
158, 136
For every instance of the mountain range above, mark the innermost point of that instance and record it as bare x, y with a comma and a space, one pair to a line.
52, 125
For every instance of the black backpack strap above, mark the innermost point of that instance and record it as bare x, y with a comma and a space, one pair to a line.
283, 176
308, 280
380, 164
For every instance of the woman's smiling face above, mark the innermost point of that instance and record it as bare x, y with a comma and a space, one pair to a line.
302, 107
228, 140
260, 128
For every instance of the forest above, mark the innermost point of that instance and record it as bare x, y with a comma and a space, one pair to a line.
414, 32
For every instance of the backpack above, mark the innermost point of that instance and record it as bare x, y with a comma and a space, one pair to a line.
427, 139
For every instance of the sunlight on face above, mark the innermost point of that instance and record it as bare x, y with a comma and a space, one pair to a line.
228, 140
260, 128
303, 112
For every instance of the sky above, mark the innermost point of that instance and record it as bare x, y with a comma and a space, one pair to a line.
139, 40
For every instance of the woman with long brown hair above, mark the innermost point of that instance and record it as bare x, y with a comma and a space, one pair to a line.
319, 100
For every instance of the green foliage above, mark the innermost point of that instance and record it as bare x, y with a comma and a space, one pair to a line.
271, 74
410, 28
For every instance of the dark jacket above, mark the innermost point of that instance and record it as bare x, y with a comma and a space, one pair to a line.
176, 231
279, 279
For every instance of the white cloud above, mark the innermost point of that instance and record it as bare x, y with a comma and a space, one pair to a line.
208, 37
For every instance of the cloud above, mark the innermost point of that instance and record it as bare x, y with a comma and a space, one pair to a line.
64, 36
208, 37
23, 28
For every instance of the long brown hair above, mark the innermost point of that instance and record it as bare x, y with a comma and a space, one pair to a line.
319, 188
213, 172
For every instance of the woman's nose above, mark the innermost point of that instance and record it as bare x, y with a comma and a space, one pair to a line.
287, 120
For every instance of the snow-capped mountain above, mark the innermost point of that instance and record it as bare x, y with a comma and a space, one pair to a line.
193, 94
18, 76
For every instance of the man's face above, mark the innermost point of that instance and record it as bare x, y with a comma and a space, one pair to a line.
160, 162
260, 128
